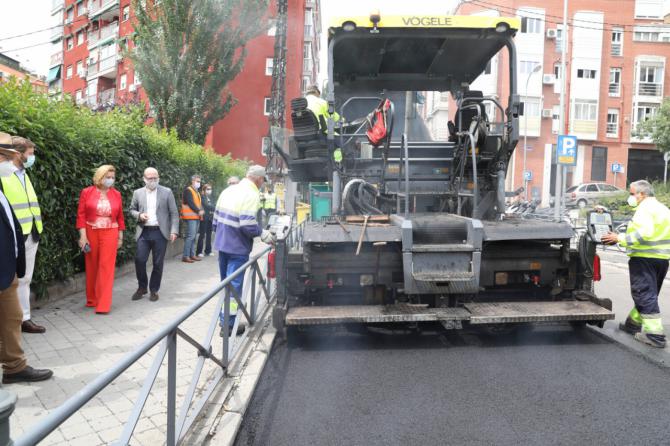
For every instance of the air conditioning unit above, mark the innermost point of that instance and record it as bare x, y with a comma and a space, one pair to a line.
132, 87
548, 79
552, 33
546, 113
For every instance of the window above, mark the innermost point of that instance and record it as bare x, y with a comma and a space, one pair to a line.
69, 17
531, 107
585, 110
123, 81
126, 13
646, 36
531, 25
527, 66
309, 23
559, 38
487, 70
80, 69
607, 187
80, 37
68, 72
136, 78
307, 58
77, 96
69, 43
644, 112
269, 65
306, 80
267, 103
591, 188
272, 27
612, 130
648, 9
615, 82
557, 70
617, 42
586, 74
555, 119
81, 9
265, 145
650, 80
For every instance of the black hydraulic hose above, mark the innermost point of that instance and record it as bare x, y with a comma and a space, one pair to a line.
586, 255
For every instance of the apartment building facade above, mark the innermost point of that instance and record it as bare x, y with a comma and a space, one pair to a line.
616, 77
10, 67
88, 63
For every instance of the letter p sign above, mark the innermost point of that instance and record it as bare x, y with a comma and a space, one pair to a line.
566, 150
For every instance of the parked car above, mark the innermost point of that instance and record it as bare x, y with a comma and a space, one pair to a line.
590, 193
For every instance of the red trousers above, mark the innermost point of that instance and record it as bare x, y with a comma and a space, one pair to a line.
100, 264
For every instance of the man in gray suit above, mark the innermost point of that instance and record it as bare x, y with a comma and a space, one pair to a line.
155, 209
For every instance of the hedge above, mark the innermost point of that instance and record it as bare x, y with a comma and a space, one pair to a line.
72, 142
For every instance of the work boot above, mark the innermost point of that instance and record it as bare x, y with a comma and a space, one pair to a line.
28, 374
657, 341
31, 327
630, 327
139, 294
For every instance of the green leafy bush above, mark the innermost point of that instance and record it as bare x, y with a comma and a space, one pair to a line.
620, 209
72, 142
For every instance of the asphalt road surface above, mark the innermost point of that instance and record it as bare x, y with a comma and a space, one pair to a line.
550, 385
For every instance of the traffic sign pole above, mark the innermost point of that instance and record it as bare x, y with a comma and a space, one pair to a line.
666, 158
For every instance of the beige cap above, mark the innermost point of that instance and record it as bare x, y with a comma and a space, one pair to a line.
256, 171
6, 145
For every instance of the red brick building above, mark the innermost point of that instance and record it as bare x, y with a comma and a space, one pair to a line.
616, 76
88, 63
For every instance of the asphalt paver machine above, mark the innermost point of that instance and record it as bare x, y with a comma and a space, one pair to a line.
418, 230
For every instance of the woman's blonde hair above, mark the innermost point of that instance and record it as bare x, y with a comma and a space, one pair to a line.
101, 172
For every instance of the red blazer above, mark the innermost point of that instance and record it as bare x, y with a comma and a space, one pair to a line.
88, 203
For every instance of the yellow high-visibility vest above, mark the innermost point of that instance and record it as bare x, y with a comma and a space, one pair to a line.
24, 202
648, 233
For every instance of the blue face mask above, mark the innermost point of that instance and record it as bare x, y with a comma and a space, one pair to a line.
29, 162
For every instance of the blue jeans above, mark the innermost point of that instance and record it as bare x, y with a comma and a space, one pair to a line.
228, 264
191, 234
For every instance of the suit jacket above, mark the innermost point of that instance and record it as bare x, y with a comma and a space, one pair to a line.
166, 210
10, 264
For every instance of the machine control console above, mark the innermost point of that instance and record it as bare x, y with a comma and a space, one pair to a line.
599, 223
279, 225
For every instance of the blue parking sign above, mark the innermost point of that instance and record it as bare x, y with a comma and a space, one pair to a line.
566, 150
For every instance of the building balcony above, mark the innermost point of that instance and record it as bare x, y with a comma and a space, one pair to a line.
106, 67
650, 89
57, 5
584, 128
102, 35
56, 87
56, 59
103, 9
57, 34
105, 98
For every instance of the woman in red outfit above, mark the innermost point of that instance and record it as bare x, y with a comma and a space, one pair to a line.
100, 224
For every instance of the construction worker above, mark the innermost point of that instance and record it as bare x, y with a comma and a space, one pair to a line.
18, 188
236, 226
268, 203
191, 212
647, 241
319, 107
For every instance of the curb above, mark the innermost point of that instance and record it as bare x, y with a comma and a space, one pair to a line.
658, 356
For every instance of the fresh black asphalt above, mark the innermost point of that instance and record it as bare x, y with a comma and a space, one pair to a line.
550, 385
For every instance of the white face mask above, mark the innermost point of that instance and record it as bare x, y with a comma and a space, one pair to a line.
196, 185
108, 182
151, 184
632, 201
7, 168
208, 191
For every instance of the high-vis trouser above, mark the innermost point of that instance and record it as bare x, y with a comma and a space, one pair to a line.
646, 279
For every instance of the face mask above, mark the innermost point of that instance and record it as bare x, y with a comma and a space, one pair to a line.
151, 184
196, 185
7, 168
208, 191
108, 182
632, 202
29, 162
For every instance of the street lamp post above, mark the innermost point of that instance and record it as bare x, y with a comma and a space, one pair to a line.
558, 189
537, 68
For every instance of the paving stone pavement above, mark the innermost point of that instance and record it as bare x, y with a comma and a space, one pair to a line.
79, 345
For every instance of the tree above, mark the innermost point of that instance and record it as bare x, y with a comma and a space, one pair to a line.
186, 52
657, 127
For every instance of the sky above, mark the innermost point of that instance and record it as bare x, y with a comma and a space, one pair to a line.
22, 17
30, 16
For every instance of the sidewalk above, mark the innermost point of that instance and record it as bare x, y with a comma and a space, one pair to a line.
79, 345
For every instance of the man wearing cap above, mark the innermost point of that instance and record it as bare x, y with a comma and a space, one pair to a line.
319, 106
18, 188
235, 226
12, 266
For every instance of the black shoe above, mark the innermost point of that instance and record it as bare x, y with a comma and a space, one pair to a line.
153, 297
630, 327
139, 294
27, 375
31, 327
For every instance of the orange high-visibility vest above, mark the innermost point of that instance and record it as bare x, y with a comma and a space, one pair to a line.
186, 212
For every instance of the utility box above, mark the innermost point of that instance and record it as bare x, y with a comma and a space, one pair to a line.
320, 198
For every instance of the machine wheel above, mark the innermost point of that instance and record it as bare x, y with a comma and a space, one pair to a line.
581, 204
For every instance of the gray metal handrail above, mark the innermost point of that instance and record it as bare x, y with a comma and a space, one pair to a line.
176, 428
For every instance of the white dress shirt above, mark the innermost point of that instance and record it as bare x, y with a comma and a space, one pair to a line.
8, 210
151, 207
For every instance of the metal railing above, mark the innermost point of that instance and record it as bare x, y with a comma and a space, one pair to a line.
649, 89
99, 5
103, 33
56, 59
614, 89
178, 424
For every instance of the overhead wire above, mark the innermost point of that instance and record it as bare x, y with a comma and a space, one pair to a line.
30, 33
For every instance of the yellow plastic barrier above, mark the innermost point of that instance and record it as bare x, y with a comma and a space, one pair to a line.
303, 211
